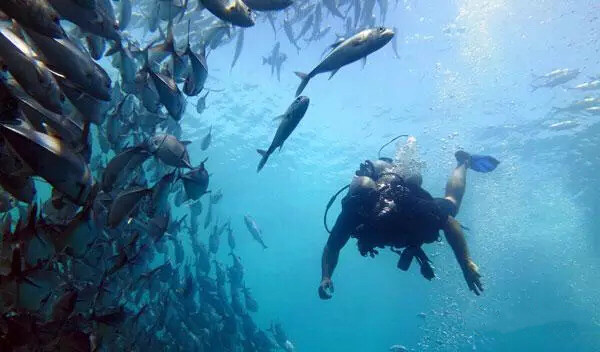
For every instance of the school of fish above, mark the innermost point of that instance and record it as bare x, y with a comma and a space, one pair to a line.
99, 263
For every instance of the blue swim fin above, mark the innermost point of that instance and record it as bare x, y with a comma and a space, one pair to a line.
483, 163
479, 163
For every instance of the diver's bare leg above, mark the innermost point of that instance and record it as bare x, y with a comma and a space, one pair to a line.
455, 188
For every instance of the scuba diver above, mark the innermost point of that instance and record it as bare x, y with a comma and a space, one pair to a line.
383, 209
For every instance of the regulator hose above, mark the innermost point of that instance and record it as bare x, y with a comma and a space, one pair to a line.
330, 203
390, 142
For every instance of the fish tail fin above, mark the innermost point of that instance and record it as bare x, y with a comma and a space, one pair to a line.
117, 47
265, 156
264, 60
185, 5
305, 79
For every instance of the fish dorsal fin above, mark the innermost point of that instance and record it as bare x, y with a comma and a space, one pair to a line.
185, 5
162, 34
170, 39
202, 56
337, 43
188, 48
333, 73
145, 54
333, 46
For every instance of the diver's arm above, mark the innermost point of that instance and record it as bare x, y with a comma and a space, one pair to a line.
456, 239
331, 253
337, 240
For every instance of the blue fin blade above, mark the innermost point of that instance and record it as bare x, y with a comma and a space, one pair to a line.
483, 163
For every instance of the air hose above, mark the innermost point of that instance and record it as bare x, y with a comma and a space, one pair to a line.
390, 142
330, 203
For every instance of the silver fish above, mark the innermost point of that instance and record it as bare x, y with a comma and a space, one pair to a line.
593, 85
268, 5
289, 32
235, 12
128, 159
348, 51
89, 107
201, 104
554, 78
34, 14
195, 182
52, 160
306, 27
169, 150
124, 204
332, 7
64, 57
99, 21
68, 129
96, 46
170, 95
289, 121
206, 140
22, 188
31, 73
196, 78
254, 230
238, 48
125, 14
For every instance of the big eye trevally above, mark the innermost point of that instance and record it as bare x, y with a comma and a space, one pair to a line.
348, 51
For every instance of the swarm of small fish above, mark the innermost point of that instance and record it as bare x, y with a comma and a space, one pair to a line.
101, 263
583, 107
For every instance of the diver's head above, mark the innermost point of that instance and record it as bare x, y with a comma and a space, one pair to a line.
414, 179
361, 184
362, 194
381, 166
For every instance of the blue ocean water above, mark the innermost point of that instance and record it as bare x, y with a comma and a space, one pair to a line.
462, 81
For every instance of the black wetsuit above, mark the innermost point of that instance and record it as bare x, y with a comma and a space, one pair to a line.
396, 214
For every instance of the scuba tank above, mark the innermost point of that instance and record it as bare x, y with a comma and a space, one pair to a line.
368, 168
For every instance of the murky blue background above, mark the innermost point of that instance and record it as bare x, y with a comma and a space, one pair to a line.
462, 81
